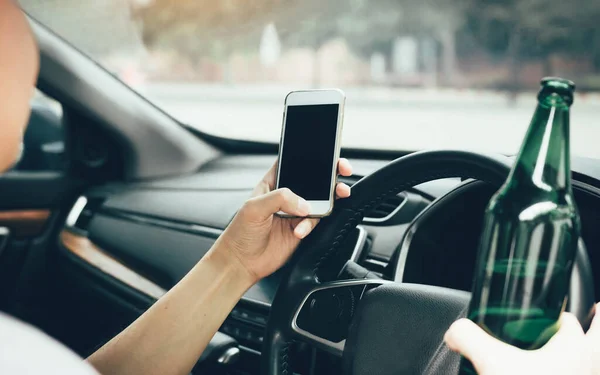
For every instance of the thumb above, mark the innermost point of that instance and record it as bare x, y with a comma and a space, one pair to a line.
594, 330
593, 341
569, 332
284, 199
468, 339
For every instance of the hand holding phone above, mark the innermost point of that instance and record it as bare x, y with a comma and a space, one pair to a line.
309, 147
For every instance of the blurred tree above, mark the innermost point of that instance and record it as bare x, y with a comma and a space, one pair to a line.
197, 28
372, 26
205, 27
532, 29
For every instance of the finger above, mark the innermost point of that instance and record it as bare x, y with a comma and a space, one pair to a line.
263, 206
304, 228
593, 341
570, 342
267, 183
342, 190
344, 167
569, 332
594, 330
468, 339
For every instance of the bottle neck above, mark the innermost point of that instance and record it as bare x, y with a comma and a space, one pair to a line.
544, 159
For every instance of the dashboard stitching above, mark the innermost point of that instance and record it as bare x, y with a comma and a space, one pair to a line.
359, 213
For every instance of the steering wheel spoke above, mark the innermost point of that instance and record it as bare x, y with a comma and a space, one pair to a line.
326, 312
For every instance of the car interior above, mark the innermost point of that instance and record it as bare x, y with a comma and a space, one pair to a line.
130, 199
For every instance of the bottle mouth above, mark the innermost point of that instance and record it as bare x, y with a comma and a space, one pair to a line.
560, 87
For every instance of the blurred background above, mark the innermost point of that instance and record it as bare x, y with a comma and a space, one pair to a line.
418, 74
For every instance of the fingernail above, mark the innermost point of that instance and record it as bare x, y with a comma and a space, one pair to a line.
302, 229
449, 338
303, 207
447, 335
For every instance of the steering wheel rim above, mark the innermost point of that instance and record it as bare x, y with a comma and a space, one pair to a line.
308, 267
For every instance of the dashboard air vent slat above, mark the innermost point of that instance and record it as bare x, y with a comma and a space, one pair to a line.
386, 208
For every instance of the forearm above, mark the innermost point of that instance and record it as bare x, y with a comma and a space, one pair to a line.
173, 333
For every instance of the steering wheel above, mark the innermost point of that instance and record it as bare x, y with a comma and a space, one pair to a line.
378, 326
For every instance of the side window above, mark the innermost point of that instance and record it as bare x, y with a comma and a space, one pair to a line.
43, 146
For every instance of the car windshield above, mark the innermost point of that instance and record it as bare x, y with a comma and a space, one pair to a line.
418, 74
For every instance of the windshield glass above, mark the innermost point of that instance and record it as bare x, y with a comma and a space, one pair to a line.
418, 74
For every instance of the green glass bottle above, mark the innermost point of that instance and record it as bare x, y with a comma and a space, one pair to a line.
531, 229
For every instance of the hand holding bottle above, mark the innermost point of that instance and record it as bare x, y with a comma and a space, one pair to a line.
570, 351
530, 233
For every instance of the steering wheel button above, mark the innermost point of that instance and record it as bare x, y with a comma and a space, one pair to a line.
327, 313
325, 305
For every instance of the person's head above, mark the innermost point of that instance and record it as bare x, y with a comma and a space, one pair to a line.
19, 63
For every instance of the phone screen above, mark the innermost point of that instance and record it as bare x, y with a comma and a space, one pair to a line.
308, 150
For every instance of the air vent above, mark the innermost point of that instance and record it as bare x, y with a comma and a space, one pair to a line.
363, 256
82, 212
386, 209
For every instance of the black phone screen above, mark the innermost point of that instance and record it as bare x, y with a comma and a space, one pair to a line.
308, 150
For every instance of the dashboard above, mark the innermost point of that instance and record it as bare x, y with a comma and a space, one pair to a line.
148, 235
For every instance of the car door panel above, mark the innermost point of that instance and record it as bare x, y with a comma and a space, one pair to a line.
36, 190
24, 223
84, 307
30, 205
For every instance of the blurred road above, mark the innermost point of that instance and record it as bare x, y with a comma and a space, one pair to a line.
380, 118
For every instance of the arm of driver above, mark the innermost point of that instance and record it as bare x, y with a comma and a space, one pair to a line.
169, 338
172, 334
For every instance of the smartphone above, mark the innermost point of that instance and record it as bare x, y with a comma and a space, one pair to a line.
310, 146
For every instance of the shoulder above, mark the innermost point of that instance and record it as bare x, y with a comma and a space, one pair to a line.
26, 350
